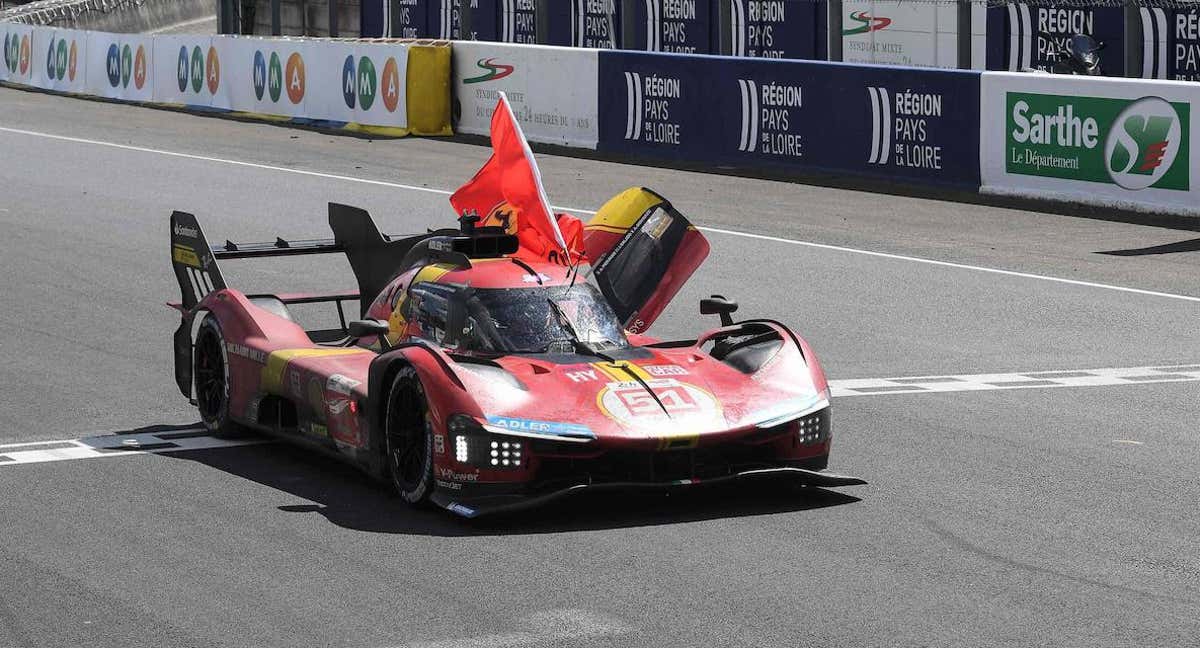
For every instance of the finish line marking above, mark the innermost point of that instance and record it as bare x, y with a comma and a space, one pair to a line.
1022, 380
713, 230
115, 445
124, 445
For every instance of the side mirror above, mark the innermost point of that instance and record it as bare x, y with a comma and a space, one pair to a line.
718, 305
365, 328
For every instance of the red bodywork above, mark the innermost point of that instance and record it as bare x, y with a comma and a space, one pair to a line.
660, 414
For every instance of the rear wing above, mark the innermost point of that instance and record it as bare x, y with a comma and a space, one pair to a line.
374, 257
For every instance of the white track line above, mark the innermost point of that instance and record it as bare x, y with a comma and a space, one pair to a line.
1019, 380
123, 445
115, 445
576, 210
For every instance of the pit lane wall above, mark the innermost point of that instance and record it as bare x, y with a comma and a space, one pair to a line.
388, 87
1121, 143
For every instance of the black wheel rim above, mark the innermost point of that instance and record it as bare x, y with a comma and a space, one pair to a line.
406, 438
210, 377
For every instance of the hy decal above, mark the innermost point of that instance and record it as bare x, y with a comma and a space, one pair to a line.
867, 23
493, 71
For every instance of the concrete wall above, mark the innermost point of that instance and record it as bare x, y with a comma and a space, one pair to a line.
122, 16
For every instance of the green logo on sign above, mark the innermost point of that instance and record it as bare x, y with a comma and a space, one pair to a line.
126, 65
275, 77
60, 63
1133, 143
366, 83
197, 69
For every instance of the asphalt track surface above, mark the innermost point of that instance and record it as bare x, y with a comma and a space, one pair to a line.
997, 517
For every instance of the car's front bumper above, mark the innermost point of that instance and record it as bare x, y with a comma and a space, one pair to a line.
477, 500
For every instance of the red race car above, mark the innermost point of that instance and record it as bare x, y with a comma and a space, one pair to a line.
483, 382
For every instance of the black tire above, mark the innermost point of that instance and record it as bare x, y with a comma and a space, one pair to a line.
210, 370
408, 438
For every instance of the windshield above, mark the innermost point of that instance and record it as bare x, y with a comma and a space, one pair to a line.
525, 320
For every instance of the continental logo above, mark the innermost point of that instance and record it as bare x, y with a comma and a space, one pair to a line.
493, 71
271, 77
866, 23
123, 65
62, 57
194, 71
17, 53
361, 83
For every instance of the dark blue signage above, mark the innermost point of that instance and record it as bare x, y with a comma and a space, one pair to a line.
1023, 36
683, 26
1172, 43
790, 29
585, 23
813, 117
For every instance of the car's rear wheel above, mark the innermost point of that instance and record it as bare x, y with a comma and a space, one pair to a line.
211, 372
408, 438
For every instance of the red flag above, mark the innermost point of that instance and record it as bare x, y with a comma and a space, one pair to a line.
508, 192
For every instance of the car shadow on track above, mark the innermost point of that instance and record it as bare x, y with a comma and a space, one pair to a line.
350, 499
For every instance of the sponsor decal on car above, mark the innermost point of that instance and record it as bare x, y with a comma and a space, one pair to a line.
465, 511
583, 375
448, 473
446, 484
664, 371
185, 255
246, 352
340, 384
552, 428
630, 404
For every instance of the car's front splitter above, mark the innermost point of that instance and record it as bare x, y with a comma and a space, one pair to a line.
474, 506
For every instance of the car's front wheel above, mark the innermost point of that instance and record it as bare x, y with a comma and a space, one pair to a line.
211, 371
408, 438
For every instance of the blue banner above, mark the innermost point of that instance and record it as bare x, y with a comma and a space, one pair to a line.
585, 23
1021, 36
683, 26
789, 29
1171, 40
895, 123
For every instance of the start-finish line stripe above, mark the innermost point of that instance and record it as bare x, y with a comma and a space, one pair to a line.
124, 445
1022, 380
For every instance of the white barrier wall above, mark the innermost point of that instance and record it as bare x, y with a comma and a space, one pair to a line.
1113, 142
553, 90
349, 83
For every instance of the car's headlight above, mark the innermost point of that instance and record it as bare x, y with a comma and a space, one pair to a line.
475, 446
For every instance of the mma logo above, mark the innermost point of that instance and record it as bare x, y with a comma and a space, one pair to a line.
881, 125
61, 60
269, 79
122, 65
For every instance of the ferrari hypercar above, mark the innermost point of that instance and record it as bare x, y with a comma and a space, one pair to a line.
481, 381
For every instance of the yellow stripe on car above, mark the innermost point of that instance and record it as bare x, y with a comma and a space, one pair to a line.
277, 362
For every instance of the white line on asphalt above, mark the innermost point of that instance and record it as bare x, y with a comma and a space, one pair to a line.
115, 445
1021, 380
576, 210
123, 445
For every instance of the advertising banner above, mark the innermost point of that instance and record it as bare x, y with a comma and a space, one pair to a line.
119, 66
186, 70
407, 18
922, 34
1170, 43
1128, 143
445, 20
683, 26
594, 24
901, 123
552, 90
1023, 36
357, 83
62, 66
266, 76
789, 29
18, 53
